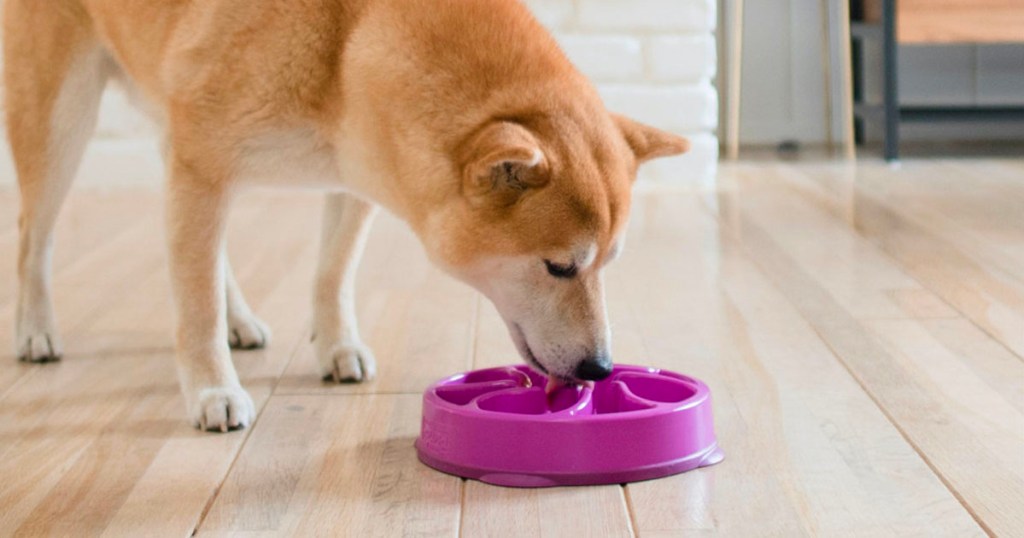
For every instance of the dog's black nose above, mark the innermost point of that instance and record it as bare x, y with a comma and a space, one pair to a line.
594, 369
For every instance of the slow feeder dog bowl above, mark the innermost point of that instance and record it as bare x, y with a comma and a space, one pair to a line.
499, 426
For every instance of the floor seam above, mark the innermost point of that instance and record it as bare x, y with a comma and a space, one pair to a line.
462, 507
250, 429
634, 528
842, 362
906, 438
885, 252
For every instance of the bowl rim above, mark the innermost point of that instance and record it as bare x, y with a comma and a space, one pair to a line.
472, 411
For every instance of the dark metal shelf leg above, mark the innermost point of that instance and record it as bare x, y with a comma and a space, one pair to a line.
891, 92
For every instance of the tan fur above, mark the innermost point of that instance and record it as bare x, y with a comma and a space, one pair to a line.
462, 117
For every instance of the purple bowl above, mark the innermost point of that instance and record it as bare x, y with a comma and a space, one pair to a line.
498, 426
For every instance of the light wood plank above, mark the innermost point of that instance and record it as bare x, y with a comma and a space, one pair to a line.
978, 209
76, 453
988, 391
799, 460
873, 287
977, 456
551, 512
987, 359
109, 214
103, 432
975, 204
990, 295
333, 466
275, 271
86, 287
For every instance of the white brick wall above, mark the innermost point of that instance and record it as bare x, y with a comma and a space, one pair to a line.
682, 58
651, 59
658, 15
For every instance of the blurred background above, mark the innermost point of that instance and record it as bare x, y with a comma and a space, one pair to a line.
789, 75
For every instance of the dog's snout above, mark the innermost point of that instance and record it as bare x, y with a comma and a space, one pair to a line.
594, 369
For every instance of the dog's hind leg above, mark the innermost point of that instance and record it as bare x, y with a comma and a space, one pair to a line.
54, 74
245, 330
340, 351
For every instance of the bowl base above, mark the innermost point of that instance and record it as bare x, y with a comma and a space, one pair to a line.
709, 456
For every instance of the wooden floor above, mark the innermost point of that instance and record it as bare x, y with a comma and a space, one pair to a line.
861, 329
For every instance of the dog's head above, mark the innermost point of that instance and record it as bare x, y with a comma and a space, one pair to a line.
543, 208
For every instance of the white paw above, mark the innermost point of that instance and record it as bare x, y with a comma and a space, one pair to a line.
36, 329
221, 409
39, 346
347, 363
247, 332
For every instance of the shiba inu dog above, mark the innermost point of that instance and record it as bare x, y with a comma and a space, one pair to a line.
462, 117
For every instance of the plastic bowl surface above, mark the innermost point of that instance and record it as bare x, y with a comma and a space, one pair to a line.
498, 426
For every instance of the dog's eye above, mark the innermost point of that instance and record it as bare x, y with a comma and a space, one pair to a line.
560, 271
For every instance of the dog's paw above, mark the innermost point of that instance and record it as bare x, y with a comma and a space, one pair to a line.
36, 329
348, 363
247, 332
222, 409
39, 346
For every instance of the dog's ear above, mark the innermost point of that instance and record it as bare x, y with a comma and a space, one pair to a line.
649, 143
500, 162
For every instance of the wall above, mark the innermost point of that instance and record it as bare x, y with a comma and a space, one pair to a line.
651, 59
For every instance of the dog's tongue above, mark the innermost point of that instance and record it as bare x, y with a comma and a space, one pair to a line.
555, 383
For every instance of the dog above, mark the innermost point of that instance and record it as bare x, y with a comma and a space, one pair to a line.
462, 117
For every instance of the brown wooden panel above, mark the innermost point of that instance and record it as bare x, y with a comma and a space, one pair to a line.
960, 21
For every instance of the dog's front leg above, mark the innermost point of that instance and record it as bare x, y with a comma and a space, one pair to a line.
341, 353
197, 211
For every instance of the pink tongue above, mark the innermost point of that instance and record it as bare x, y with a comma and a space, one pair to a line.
555, 383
